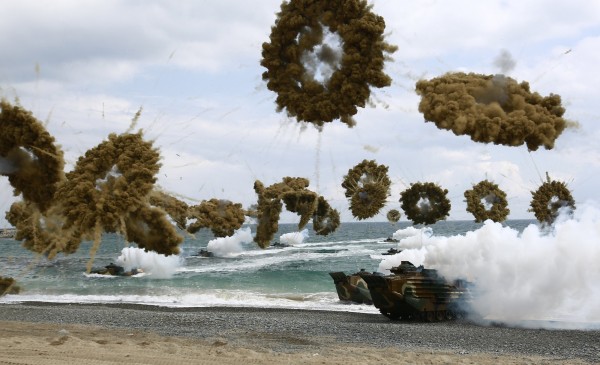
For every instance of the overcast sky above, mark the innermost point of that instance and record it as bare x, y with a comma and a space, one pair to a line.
84, 68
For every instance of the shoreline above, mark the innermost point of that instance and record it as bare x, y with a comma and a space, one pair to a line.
222, 334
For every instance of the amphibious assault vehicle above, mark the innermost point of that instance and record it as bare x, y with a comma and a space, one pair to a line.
352, 287
417, 293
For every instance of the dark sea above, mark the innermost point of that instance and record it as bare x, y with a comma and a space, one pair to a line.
239, 274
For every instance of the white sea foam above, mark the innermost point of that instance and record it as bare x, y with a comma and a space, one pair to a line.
212, 298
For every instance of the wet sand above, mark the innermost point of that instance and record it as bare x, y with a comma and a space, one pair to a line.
44, 333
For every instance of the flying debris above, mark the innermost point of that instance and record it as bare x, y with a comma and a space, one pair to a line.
8, 286
297, 38
486, 201
367, 187
492, 108
298, 199
28, 156
393, 216
425, 203
222, 217
550, 200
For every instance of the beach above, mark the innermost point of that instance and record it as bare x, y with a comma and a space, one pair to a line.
47, 333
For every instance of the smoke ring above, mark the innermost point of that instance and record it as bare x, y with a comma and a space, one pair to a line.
298, 29
367, 186
499, 209
22, 138
439, 206
393, 215
326, 219
549, 199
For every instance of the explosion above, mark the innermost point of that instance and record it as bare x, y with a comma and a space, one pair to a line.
550, 199
486, 193
393, 215
367, 185
33, 163
221, 216
298, 199
109, 190
492, 108
175, 208
297, 36
425, 203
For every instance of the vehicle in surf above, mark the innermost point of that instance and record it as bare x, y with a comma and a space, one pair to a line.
416, 293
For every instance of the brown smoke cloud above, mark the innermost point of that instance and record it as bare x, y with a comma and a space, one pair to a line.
221, 216
393, 215
175, 208
425, 203
492, 109
488, 192
33, 163
8, 286
326, 219
550, 199
298, 199
367, 187
108, 191
297, 31
42, 233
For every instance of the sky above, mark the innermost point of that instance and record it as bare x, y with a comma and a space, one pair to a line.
84, 68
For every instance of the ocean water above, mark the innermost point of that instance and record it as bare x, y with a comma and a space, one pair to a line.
241, 274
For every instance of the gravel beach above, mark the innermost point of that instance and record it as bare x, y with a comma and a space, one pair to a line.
300, 332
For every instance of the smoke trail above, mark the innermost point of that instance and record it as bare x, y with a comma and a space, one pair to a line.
157, 265
534, 275
505, 62
293, 238
230, 246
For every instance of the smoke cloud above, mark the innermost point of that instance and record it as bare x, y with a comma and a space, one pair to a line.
31, 160
221, 216
505, 62
298, 199
230, 246
292, 61
294, 238
534, 275
157, 265
492, 109
367, 187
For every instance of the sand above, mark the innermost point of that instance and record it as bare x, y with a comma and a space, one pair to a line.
49, 338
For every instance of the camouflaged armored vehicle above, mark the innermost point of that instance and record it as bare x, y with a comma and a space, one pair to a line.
352, 287
417, 293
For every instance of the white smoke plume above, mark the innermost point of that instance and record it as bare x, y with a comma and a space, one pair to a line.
537, 275
152, 263
294, 238
232, 245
